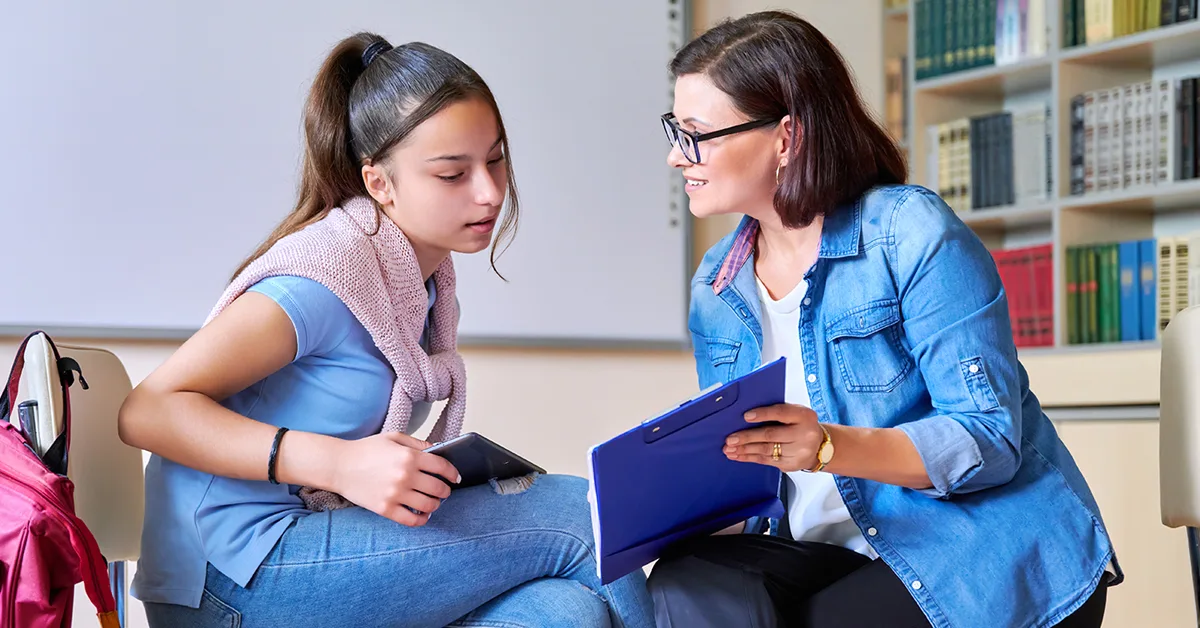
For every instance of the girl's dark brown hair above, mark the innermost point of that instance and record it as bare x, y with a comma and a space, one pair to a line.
357, 111
774, 64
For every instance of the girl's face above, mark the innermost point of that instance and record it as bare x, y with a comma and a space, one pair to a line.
444, 185
736, 173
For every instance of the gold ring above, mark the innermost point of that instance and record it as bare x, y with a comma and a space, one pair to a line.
776, 452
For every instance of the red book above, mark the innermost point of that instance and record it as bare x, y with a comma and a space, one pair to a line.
1044, 280
1026, 310
1007, 277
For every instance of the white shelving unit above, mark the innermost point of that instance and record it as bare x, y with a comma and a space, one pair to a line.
1102, 398
1065, 221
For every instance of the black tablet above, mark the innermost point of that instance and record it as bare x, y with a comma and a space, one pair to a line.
479, 460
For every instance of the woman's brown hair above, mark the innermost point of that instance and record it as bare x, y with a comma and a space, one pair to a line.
366, 98
774, 64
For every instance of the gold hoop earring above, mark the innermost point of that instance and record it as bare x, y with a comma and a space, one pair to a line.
777, 169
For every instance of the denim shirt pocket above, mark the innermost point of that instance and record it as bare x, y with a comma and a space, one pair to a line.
722, 355
978, 384
866, 343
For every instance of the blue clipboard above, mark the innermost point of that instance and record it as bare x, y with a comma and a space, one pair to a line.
668, 479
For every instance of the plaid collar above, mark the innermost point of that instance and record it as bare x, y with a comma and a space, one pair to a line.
743, 248
840, 237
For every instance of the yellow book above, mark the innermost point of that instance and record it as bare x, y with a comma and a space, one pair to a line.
1099, 19
1153, 14
944, 182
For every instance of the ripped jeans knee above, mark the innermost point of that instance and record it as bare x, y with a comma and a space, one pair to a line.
513, 486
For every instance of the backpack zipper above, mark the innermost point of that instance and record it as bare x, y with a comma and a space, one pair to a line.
64, 515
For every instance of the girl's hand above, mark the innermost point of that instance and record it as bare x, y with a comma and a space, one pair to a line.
794, 427
389, 474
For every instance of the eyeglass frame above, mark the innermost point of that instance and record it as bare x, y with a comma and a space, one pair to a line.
672, 129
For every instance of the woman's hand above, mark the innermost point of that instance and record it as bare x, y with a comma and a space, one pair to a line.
389, 474
794, 427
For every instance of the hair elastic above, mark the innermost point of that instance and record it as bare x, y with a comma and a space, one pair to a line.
374, 50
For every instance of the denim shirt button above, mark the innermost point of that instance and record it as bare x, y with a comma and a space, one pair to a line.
811, 378
807, 301
916, 585
974, 368
872, 531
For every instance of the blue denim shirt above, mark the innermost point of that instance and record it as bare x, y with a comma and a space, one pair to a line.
906, 325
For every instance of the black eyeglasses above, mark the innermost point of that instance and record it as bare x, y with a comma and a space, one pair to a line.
689, 141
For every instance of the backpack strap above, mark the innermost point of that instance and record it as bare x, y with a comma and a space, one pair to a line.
94, 569
14, 378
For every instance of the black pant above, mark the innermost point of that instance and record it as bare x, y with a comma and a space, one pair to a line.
760, 581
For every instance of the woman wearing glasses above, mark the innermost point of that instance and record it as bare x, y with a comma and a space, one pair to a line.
923, 483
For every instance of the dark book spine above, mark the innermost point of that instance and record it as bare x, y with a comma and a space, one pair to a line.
1077, 145
1006, 148
1068, 35
1184, 11
985, 161
1080, 22
976, 163
986, 167
1187, 134
1047, 132
1195, 112
1168, 12
995, 162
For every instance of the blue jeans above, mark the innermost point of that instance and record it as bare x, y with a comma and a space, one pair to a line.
483, 560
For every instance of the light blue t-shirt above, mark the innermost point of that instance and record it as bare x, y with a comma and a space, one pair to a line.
339, 384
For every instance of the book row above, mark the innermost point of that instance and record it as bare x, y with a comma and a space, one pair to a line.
1134, 135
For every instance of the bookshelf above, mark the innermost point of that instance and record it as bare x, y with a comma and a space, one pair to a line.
1062, 220
1098, 383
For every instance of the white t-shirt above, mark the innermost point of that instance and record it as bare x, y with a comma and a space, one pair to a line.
816, 511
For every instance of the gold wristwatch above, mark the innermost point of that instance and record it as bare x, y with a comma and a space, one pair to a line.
824, 452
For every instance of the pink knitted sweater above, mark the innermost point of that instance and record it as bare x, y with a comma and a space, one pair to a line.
379, 280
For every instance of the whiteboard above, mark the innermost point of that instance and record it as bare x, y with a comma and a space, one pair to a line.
147, 147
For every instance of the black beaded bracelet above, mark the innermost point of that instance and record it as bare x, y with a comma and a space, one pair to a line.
274, 455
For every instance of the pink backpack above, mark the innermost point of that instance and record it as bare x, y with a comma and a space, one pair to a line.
45, 550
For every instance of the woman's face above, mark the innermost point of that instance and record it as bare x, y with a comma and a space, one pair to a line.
445, 184
736, 173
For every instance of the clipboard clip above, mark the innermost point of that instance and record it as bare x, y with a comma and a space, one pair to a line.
690, 412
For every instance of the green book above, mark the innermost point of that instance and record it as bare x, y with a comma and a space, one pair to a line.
950, 33
1081, 255
1080, 22
1072, 296
936, 29
989, 33
1068, 23
918, 16
962, 39
1112, 277
1093, 320
1153, 14
970, 23
1102, 310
